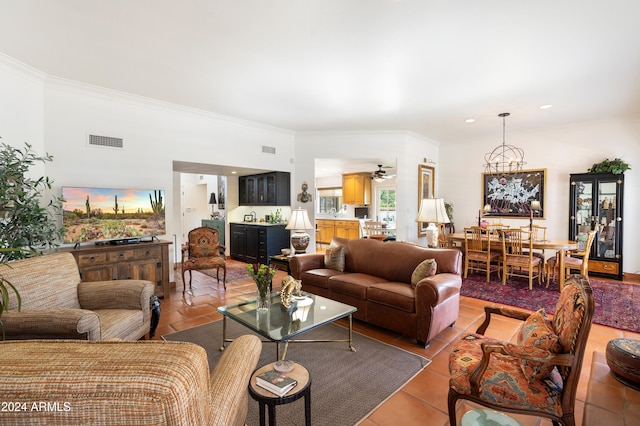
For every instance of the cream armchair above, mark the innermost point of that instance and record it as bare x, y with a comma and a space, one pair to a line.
57, 305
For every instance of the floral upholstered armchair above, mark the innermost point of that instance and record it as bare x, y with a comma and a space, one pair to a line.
203, 251
538, 375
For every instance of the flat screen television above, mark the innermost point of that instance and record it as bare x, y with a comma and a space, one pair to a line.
109, 214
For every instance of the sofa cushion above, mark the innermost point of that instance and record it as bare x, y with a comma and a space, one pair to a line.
318, 277
393, 294
334, 257
354, 285
426, 268
537, 332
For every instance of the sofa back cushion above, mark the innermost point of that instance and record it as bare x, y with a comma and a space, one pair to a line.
44, 282
395, 261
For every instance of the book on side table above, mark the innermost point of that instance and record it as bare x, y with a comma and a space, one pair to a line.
275, 382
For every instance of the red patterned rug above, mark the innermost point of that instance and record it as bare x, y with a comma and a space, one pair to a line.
235, 272
617, 304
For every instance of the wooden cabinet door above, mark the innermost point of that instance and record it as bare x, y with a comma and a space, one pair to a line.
353, 229
145, 270
356, 189
252, 244
348, 189
104, 272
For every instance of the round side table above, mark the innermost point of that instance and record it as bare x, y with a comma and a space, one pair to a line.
270, 400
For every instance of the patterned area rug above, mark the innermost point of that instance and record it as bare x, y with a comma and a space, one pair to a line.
234, 273
617, 304
346, 386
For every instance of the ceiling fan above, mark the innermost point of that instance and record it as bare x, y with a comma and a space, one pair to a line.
380, 175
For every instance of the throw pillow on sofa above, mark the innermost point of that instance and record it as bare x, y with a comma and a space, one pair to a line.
426, 268
537, 332
334, 258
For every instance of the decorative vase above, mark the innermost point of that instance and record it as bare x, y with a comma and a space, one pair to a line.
263, 300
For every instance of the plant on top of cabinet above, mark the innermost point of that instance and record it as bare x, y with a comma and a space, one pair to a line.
615, 166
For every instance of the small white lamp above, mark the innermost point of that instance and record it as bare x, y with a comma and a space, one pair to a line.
299, 223
432, 211
213, 202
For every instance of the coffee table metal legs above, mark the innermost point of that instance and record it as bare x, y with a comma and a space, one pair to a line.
349, 340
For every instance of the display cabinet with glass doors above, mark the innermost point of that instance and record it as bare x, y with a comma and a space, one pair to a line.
596, 201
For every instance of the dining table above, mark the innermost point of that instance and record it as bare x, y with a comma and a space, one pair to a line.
562, 246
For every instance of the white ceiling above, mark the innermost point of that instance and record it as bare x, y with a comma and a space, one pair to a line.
422, 65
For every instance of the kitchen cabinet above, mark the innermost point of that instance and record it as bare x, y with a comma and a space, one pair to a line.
596, 201
343, 228
216, 224
266, 189
142, 261
255, 243
356, 188
326, 230
349, 229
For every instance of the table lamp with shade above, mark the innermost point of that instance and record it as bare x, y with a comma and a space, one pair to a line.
433, 212
213, 202
299, 223
535, 207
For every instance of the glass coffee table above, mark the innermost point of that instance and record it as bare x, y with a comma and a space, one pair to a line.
280, 325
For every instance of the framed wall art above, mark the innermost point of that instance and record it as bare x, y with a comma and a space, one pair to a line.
514, 195
426, 189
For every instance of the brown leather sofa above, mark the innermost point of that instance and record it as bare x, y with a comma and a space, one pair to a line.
377, 280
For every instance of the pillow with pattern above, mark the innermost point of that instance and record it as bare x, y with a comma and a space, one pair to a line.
334, 258
426, 268
537, 331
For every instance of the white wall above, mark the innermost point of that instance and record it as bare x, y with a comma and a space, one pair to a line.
562, 151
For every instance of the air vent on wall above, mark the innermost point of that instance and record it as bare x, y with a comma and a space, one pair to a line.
268, 149
107, 141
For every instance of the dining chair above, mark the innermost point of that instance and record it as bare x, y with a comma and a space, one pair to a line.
538, 375
374, 230
538, 233
478, 255
572, 261
517, 256
203, 251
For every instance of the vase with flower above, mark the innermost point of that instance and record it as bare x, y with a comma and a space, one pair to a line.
262, 276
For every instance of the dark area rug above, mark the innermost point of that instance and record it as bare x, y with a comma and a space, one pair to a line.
234, 272
617, 304
346, 386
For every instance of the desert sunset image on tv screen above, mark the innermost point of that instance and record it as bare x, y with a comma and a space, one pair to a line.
96, 214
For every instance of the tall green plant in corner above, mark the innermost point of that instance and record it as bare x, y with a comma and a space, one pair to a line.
28, 209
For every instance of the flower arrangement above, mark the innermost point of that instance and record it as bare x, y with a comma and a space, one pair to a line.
262, 276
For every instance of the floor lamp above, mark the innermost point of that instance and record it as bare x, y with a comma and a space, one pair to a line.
433, 212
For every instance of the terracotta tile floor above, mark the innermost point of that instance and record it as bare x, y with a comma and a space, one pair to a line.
422, 401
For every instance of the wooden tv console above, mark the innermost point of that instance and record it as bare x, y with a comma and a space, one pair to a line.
140, 261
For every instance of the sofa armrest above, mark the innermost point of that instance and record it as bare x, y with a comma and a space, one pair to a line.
433, 290
115, 294
51, 324
230, 381
305, 262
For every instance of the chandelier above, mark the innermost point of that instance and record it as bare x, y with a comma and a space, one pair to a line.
504, 158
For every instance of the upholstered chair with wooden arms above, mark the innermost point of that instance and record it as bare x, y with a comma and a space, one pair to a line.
538, 375
203, 251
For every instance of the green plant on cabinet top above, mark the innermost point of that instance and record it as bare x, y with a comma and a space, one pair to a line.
615, 166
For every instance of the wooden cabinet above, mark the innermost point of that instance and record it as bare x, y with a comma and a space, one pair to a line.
266, 189
257, 243
326, 230
349, 229
356, 188
142, 261
342, 228
596, 201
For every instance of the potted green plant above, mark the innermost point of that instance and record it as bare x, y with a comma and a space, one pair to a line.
28, 210
615, 166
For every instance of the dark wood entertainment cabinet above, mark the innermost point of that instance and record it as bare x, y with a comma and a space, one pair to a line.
141, 261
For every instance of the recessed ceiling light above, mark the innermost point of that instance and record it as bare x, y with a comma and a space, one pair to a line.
233, 172
546, 106
469, 120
